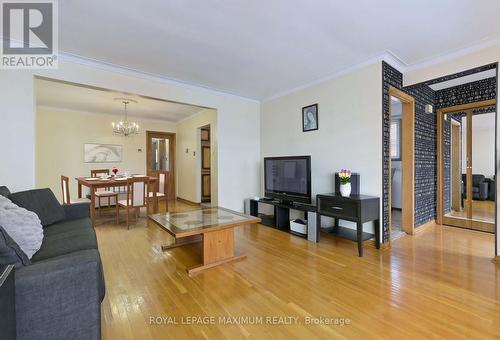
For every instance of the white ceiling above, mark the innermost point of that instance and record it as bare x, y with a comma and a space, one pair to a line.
78, 98
464, 80
259, 48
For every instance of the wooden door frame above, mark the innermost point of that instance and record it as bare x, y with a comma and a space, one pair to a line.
440, 159
456, 164
407, 162
172, 152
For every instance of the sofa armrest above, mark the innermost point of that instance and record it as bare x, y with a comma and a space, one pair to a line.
484, 190
77, 210
59, 298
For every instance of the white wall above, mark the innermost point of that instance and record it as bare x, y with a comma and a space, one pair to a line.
61, 134
483, 145
17, 121
238, 123
349, 135
460, 63
188, 138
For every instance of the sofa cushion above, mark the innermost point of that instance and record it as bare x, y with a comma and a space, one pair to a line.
10, 253
4, 191
66, 226
42, 202
67, 242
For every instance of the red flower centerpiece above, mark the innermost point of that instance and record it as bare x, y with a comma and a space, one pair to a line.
114, 170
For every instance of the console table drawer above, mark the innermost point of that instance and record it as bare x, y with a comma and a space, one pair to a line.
341, 208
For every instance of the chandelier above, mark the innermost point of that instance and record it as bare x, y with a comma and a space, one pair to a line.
125, 127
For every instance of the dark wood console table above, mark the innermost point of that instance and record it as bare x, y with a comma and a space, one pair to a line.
357, 208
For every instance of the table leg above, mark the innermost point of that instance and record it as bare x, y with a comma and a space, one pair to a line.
318, 225
359, 231
79, 190
92, 205
218, 248
155, 203
377, 233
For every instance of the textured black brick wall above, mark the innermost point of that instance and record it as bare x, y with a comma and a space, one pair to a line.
467, 93
425, 154
390, 77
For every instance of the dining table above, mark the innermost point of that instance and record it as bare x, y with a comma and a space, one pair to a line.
94, 183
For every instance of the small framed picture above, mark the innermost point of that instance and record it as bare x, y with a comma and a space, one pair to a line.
310, 118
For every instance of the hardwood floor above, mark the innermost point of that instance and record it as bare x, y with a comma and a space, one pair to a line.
440, 283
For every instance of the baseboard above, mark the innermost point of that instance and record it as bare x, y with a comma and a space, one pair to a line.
424, 227
187, 201
496, 259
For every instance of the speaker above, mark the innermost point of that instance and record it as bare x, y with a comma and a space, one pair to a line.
355, 184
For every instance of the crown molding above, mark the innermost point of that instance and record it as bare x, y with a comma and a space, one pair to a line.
77, 59
387, 56
482, 44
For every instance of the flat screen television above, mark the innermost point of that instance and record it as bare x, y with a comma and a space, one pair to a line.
288, 178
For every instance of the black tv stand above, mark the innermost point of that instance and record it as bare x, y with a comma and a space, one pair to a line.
281, 218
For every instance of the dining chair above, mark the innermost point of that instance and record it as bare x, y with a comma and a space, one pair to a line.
65, 192
136, 197
105, 193
161, 189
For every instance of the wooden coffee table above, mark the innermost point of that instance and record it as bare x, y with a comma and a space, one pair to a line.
212, 226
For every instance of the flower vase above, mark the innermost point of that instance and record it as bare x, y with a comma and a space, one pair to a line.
345, 189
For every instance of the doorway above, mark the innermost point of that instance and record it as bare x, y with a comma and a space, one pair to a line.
466, 172
160, 149
206, 188
401, 163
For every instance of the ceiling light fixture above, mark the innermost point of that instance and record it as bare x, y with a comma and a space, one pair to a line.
125, 127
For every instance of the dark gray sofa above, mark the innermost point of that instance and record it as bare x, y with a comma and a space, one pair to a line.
59, 292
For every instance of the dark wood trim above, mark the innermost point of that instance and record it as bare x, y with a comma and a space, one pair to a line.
203, 148
207, 130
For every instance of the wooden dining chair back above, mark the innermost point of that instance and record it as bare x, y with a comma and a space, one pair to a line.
159, 191
136, 196
109, 195
99, 172
65, 189
65, 192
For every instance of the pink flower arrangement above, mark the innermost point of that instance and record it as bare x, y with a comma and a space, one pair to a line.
345, 176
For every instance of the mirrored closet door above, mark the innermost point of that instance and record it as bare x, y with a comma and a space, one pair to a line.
466, 166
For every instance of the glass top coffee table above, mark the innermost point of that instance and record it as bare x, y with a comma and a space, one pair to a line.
212, 226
